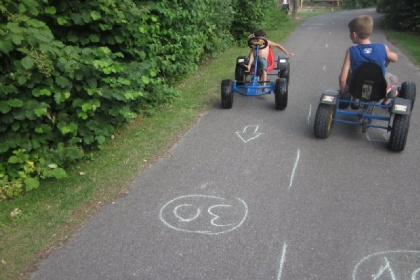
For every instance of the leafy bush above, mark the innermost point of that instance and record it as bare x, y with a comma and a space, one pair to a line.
248, 16
73, 71
403, 15
358, 4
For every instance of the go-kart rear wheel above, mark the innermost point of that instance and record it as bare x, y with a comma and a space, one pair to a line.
324, 120
281, 93
227, 94
399, 132
240, 74
408, 91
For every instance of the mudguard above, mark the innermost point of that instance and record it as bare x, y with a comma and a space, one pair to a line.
401, 106
329, 97
282, 63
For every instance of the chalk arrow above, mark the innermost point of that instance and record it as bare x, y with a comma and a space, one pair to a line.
249, 133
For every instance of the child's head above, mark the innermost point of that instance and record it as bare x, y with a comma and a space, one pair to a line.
362, 25
259, 33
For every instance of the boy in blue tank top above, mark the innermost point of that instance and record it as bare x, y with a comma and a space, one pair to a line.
364, 51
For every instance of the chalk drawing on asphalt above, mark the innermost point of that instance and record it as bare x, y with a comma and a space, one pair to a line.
204, 214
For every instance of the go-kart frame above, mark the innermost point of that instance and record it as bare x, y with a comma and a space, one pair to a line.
249, 83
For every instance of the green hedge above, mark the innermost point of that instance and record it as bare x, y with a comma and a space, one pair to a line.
358, 4
72, 71
402, 15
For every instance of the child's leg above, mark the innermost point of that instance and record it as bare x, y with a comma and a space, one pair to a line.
264, 76
391, 89
263, 65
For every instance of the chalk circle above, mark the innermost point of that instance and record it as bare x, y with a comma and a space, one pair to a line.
204, 214
392, 265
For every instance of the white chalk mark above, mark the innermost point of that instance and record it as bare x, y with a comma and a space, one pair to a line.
216, 217
201, 199
249, 133
326, 45
204, 185
415, 272
183, 219
294, 168
383, 269
358, 268
282, 260
325, 67
310, 112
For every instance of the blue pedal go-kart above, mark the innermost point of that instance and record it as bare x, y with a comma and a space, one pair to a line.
249, 83
368, 87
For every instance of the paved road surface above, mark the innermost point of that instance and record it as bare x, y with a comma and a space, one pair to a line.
249, 193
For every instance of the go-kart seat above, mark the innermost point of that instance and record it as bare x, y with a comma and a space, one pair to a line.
368, 83
270, 60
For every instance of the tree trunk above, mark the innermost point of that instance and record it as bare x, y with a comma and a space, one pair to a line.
295, 4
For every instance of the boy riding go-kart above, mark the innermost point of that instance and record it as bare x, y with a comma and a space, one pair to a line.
251, 73
367, 87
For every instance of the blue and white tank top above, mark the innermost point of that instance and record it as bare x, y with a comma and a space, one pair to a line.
360, 54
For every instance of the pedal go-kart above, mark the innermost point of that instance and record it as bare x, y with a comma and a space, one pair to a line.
248, 83
369, 87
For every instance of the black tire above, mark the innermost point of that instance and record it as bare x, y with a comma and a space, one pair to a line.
281, 94
227, 94
408, 91
285, 73
399, 132
324, 120
240, 74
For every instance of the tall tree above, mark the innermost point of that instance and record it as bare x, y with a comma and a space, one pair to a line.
294, 8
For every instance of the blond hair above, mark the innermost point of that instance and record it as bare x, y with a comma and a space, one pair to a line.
362, 25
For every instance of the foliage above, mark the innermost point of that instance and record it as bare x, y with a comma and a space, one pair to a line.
248, 16
402, 14
74, 71
358, 4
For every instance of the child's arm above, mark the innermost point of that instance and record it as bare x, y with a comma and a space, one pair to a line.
251, 60
272, 44
391, 56
342, 80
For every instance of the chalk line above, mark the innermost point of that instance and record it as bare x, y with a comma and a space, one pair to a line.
294, 168
282, 259
310, 112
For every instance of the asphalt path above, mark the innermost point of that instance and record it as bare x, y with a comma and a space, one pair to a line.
250, 193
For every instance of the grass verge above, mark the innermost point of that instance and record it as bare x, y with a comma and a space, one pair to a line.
48, 216
408, 42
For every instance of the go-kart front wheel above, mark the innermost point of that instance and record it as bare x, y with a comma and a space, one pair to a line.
399, 133
227, 94
281, 93
324, 120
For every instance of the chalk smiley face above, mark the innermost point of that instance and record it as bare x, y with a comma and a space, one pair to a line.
204, 214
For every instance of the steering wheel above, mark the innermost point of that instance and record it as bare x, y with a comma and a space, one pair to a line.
257, 41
